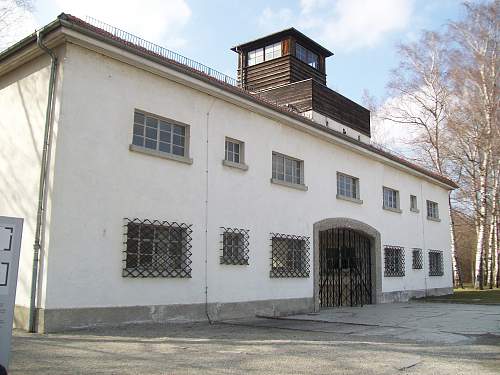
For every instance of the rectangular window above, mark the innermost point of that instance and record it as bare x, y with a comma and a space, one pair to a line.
309, 57
255, 56
287, 169
417, 259
432, 210
413, 203
234, 246
234, 151
157, 249
391, 198
435, 263
158, 134
290, 256
273, 51
394, 259
347, 186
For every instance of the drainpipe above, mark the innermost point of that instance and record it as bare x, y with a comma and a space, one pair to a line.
40, 215
206, 213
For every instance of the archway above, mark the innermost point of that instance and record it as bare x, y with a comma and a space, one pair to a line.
347, 268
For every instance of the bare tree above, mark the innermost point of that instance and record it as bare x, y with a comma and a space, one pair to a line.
11, 17
475, 67
421, 84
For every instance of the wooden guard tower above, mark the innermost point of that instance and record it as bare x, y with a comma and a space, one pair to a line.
288, 68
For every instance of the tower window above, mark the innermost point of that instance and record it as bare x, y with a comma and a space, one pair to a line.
303, 54
259, 55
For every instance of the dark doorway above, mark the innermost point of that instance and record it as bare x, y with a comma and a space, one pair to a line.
344, 268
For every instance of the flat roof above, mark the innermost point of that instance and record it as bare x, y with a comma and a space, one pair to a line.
286, 32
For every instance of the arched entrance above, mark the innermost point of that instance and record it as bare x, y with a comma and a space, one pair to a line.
346, 263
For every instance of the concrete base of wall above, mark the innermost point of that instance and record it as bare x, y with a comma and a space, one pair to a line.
56, 320
405, 295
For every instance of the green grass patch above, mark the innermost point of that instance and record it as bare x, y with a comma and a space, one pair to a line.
469, 296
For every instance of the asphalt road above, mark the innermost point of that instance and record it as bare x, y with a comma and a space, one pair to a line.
260, 346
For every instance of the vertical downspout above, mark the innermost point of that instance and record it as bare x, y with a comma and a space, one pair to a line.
424, 250
40, 215
206, 212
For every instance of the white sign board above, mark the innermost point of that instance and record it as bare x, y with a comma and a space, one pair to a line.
10, 246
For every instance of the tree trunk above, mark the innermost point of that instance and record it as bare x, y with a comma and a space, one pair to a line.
457, 274
481, 222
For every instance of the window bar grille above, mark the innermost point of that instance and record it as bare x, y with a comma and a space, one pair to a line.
234, 246
154, 248
394, 259
289, 256
417, 259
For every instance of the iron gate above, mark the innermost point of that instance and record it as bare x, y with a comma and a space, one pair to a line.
344, 268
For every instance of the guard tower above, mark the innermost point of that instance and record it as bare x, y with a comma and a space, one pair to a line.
288, 67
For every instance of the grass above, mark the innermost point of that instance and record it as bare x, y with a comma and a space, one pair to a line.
469, 296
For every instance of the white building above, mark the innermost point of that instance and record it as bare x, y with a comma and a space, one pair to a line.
171, 194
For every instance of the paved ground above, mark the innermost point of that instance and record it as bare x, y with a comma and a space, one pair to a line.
384, 339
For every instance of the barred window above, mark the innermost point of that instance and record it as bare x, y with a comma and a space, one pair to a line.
432, 210
394, 257
287, 169
391, 198
289, 255
159, 134
417, 259
157, 249
435, 263
347, 186
235, 246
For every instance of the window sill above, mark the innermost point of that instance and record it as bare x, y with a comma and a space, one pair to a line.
436, 219
396, 210
231, 164
416, 210
289, 184
164, 155
349, 199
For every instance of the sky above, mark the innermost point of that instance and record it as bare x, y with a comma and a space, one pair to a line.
362, 34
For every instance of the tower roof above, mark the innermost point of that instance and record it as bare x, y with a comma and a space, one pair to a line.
277, 35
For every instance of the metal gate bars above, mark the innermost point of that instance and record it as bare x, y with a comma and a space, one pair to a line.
344, 268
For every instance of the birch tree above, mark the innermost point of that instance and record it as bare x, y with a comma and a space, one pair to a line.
475, 67
421, 85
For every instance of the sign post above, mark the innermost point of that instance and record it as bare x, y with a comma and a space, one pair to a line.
10, 246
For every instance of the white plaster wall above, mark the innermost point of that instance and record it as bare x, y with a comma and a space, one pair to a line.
99, 182
23, 101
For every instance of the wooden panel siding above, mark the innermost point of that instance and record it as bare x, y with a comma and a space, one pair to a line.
278, 72
341, 109
298, 95
310, 95
300, 71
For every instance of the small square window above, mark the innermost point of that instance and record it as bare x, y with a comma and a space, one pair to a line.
413, 203
394, 261
289, 256
235, 151
432, 210
390, 199
288, 169
417, 259
436, 263
347, 186
235, 246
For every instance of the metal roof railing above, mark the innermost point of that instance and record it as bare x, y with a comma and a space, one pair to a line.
162, 51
